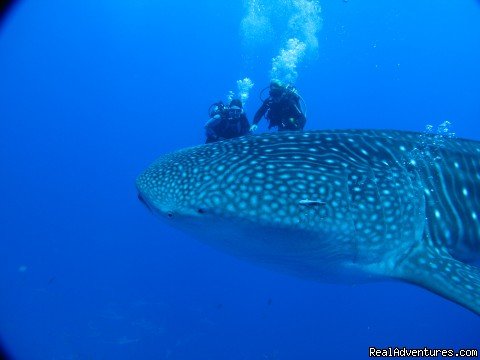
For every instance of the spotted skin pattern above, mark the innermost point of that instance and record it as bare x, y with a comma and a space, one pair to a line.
340, 205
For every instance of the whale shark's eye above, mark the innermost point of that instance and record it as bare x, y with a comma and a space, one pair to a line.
201, 211
170, 215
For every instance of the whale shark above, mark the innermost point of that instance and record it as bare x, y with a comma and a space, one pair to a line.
345, 206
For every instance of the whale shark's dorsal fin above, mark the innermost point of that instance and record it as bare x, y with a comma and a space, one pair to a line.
438, 272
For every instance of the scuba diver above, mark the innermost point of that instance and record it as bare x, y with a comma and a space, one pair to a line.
226, 122
282, 108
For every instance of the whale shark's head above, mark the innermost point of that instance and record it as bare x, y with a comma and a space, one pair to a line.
178, 186
197, 191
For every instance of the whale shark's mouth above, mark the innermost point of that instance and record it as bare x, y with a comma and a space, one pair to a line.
144, 202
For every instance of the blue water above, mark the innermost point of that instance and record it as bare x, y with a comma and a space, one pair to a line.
92, 91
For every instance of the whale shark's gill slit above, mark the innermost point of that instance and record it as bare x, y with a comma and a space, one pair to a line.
400, 197
375, 181
350, 182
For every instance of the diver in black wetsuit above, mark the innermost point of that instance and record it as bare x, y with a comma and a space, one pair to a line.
282, 108
226, 122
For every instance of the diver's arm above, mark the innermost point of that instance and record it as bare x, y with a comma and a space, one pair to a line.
210, 128
244, 124
213, 121
261, 112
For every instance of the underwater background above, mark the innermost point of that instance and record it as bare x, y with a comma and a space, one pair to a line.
91, 92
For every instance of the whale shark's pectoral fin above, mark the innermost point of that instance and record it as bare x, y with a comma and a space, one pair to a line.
439, 272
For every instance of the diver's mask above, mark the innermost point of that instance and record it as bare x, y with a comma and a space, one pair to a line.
234, 112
